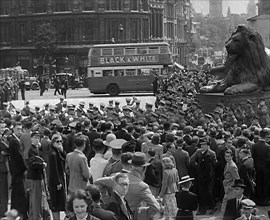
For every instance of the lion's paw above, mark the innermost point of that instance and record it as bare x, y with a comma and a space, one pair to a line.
241, 88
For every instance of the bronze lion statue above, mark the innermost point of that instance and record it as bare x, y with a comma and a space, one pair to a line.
247, 67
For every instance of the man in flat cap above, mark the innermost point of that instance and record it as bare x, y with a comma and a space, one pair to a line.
205, 162
247, 209
35, 174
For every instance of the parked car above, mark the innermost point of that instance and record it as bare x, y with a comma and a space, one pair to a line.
31, 83
72, 81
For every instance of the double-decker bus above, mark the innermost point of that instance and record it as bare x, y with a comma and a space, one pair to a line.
115, 68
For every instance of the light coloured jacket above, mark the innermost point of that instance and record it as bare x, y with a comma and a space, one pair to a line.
77, 169
230, 175
169, 182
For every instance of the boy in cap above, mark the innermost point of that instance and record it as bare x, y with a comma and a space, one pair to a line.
187, 202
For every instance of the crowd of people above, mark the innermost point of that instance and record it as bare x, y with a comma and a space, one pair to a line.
127, 161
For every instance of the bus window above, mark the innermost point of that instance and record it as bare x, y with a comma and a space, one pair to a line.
145, 72
164, 50
118, 51
107, 73
130, 50
118, 72
142, 50
130, 72
107, 52
153, 50
97, 74
95, 52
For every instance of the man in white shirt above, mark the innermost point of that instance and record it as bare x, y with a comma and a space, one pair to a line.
98, 163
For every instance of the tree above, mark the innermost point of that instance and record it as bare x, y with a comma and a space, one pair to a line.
45, 40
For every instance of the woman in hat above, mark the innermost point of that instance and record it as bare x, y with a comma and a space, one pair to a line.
187, 201
169, 188
57, 188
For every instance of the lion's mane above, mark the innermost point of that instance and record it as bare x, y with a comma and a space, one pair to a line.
247, 60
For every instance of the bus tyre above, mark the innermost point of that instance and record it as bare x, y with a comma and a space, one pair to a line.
113, 89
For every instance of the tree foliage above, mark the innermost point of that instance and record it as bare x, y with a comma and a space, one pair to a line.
45, 40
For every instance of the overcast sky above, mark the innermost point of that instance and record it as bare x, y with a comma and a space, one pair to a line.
237, 6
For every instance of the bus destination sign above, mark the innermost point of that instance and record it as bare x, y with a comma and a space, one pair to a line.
128, 59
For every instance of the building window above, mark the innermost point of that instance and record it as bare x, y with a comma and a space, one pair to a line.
126, 5
120, 4
114, 5
88, 5
22, 33
39, 6
21, 7
5, 6
145, 5
5, 33
134, 5
89, 29
101, 5
134, 29
107, 5
64, 30
62, 5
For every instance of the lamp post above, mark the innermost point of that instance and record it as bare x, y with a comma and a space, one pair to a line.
66, 62
121, 30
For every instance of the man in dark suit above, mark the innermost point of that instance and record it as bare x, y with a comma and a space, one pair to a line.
153, 173
205, 162
87, 149
17, 169
261, 156
182, 159
98, 211
92, 135
117, 202
247, 171
122, 132
233, 207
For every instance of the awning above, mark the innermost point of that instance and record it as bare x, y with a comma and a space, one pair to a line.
179, 66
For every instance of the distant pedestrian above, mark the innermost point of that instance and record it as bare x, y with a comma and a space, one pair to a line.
64, 87
56, 84
22, 88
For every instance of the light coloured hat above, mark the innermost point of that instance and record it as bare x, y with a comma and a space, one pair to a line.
248, 204
185, 179
109, 139
117, 143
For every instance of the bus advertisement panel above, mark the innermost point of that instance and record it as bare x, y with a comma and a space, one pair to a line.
115, 68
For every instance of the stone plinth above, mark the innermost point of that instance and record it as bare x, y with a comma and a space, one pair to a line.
208, 101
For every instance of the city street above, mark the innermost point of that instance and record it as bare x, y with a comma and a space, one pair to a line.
77, 95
